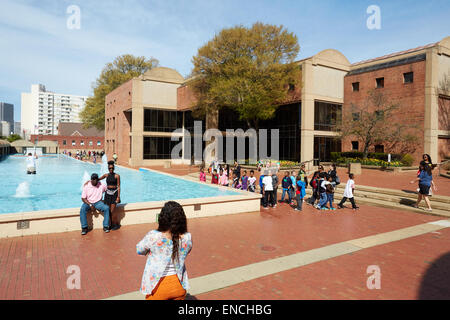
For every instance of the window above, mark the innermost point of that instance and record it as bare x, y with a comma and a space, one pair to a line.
82, 143
408, 77
327, 116
99, 143
291, 87
64, 142
355, 86
379, 148
379, 114
355, 145
91, 143
73, 142
380, 82
162, 121
355, 116
158, 147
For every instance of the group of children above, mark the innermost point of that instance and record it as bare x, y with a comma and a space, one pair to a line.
237, 181
323, 186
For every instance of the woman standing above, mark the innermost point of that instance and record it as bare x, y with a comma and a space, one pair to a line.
112, 194
165, 276
425, 179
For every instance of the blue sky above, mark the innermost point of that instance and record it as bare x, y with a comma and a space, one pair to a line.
37, 47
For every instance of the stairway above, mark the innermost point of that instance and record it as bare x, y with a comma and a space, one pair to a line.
382, 197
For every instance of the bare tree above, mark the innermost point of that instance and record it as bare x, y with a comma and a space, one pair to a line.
373, 122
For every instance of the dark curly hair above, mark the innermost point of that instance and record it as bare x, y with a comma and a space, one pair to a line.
173, 219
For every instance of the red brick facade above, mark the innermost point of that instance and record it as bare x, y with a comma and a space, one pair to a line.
118, 122
71, 143
409, 96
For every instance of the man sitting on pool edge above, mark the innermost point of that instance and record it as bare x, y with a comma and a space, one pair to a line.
92, 198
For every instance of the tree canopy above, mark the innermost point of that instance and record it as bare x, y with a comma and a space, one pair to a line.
248, 70
374, 121
122, 69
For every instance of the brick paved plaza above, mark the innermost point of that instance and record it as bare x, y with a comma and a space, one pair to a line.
413, 255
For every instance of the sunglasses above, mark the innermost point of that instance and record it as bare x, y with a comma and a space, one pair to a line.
111, 168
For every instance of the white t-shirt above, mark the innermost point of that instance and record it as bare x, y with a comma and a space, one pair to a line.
348, 192
251, 181
267, 182
31, 162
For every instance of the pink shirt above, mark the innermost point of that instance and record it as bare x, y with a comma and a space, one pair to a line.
93, 194
223, 179
203, 176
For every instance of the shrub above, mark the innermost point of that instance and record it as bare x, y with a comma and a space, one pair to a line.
407, 160
335, 156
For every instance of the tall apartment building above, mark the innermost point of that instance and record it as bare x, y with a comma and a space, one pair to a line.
7, 114
43, 110
17, 128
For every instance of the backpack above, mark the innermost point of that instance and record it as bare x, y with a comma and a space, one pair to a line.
338, 181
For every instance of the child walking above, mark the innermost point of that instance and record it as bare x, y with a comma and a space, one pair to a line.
322, 191
286, 184
348, 193
330, 192
300, 193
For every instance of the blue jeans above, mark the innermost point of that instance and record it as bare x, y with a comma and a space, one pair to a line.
323, 200
99, 206
330, 199
288, 193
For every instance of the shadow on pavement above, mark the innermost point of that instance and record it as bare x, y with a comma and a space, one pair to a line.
435, 284
190, 297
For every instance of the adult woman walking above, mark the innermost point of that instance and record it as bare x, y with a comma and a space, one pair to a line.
425, 179
112, 194
165, 276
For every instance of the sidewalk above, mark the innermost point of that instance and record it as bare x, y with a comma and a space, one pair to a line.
34, 267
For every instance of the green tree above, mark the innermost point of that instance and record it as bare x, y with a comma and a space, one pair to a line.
122, 69
374, 122
13, 137
248, 70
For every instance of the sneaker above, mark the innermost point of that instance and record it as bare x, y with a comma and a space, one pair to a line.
340, 206
332, 208
115, 227
355, 208
84, 231
297, 209
266, 208
106, 229
324, 208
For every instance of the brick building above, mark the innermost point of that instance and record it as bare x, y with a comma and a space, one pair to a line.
72, 137
141, 114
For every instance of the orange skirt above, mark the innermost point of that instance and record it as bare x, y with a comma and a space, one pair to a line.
168, 288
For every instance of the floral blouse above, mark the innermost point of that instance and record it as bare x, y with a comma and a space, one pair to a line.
159, 250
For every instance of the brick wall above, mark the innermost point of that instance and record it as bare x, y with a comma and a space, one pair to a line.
410, 97
68, 142
118, 122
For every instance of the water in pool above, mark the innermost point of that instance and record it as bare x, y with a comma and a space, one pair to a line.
58, 181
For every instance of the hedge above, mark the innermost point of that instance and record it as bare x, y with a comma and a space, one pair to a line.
372, 155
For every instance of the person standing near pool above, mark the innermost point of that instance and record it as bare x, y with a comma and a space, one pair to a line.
92, 199
112, 195
31, 163
165, 276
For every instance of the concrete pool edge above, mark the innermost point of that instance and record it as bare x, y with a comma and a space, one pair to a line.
64, 220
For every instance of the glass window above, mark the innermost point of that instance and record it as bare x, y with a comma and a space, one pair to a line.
99, 143
64, 142
355, 145
408, 77
327, 116
91, 143
162, 120
380, 82
323, 146
355, 116
158, 147
82, 143
355, 86
73, 142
